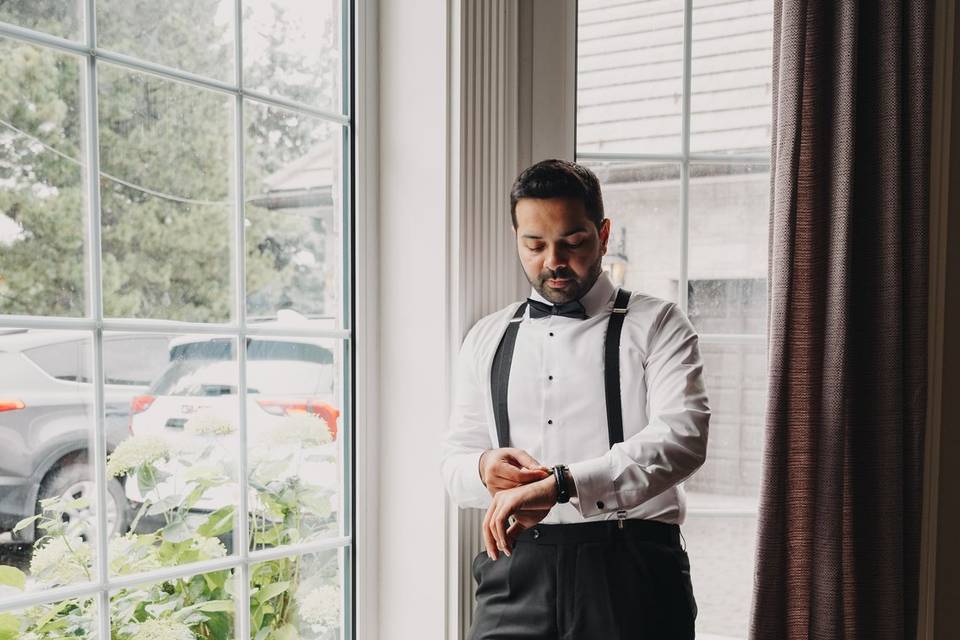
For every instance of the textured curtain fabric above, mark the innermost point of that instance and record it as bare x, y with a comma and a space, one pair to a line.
838, 541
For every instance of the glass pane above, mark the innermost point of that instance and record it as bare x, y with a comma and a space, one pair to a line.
736, 379
198, 606
42, 193
48, 520
166, 158
183, 34
62, 18
72, 618
721, 550
294, 216
643, 202
305, 592
292, 49
731, 85
728, 248
295, 399
629, 76
176, 454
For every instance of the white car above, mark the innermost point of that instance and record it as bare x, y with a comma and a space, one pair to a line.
193, 407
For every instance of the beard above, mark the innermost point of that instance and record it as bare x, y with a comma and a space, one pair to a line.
575, 288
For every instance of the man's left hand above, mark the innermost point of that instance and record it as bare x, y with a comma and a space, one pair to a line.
530, 503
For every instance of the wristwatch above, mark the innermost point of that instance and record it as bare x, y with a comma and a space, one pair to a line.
561, 478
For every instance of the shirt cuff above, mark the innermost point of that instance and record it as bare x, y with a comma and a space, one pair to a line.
596, 493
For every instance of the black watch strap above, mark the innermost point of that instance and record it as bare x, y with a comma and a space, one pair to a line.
560, 477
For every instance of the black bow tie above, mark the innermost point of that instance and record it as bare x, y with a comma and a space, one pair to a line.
573, 309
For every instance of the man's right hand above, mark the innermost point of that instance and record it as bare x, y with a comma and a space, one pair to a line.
507, 468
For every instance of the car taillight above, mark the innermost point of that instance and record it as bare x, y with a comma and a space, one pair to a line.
139, 404
11, 404
328, 413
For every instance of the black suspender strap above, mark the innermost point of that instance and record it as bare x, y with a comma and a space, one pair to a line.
611, 367
500, 376
503, 359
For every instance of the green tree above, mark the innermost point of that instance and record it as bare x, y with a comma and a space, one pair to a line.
166, 154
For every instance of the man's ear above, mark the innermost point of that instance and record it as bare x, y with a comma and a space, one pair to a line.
604, 235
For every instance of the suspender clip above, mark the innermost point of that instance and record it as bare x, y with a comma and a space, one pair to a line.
621, 516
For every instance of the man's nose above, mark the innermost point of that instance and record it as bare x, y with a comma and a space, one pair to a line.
555, 258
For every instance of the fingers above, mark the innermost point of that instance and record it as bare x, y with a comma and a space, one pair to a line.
518, 476
525, 459
489, 544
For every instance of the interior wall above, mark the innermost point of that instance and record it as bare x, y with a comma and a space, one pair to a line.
413, 283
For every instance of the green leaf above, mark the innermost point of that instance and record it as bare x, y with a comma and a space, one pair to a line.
9, 627
12, 577
26, 522
219, 522
215, 605
270, 591
177, 531
165, 504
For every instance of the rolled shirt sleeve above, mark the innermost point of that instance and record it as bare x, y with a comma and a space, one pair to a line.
672, 445
468, 434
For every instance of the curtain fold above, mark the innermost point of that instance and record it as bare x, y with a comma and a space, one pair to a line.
839, 526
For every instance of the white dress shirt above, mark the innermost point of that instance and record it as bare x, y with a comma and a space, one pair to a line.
557, 408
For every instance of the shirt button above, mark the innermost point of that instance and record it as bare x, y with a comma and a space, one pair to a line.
549, 421
551, 334
599, 504
536, 533
549, 377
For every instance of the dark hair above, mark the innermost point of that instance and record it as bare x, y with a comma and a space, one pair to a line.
559, 179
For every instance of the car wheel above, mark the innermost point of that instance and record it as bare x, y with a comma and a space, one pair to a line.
72, 478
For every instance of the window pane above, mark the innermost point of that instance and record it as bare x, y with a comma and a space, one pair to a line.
62, 18
736, 379
178, 459
199, 606
730, 101
294, 214
42, 195
643, 202
629, 76
166, 156
73, 618
728, 248
294, 449
134, 359
721, 550
312, 603
292, 49
184, 34
46, 425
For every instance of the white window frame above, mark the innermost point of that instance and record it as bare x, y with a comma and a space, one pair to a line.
685, 158
95, 324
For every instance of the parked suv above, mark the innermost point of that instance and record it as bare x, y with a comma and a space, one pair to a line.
47, 416
285, 376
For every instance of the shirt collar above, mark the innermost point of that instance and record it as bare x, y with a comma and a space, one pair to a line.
595, 300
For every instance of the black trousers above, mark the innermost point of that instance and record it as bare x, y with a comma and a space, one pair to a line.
587, 581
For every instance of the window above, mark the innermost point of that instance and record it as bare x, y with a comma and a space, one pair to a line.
673, 114
175, 319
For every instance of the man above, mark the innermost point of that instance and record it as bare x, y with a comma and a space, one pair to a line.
576, 415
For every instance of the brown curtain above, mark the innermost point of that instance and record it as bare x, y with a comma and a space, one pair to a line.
839, 526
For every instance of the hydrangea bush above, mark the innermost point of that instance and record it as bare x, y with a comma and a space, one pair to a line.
287, 599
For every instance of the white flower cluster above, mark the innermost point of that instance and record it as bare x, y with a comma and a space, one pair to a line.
62, 560
132, 553
136, 451
209, 424
320, 607
305, 429
163, 629
210, 548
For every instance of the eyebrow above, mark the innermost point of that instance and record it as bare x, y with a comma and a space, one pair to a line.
530, 236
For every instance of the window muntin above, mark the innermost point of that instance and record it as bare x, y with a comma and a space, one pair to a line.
117, 149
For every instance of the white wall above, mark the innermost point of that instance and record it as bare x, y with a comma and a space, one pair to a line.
413, 282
